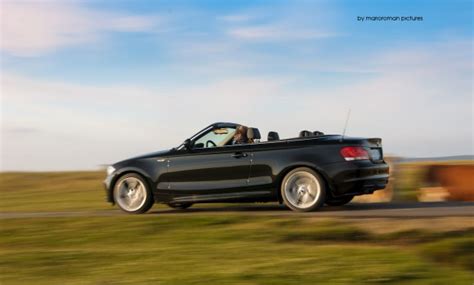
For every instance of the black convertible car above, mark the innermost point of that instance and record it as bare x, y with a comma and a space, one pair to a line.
303, 172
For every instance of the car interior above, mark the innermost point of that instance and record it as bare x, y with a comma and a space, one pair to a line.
273, 136
253, 134
306, 133
223, 136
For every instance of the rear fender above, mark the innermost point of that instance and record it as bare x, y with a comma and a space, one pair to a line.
289, 168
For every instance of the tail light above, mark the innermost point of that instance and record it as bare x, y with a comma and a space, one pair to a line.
354, 153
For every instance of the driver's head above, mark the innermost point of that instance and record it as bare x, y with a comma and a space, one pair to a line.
241, 134
242, 130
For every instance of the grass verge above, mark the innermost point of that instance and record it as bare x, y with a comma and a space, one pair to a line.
232, 248
228, 249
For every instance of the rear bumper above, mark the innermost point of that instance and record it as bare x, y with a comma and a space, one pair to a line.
357, 177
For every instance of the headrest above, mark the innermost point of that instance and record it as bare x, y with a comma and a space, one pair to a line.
273, 136
305, 133
318, 133
253, 133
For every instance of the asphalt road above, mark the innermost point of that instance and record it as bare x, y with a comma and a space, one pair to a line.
353, 210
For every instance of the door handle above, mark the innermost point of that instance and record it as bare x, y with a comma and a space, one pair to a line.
239, 155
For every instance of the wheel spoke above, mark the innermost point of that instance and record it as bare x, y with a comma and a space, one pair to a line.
302, 189
298, 201
131, 194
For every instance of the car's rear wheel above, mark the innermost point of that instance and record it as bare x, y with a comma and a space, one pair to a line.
303, 190
181, 206
339, 201
132, 194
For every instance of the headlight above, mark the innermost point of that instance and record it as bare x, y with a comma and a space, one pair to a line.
110, 170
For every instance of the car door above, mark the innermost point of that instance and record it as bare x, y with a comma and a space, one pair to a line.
212, 169
268, 159
209, 174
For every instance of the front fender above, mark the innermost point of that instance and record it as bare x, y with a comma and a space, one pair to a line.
112, 179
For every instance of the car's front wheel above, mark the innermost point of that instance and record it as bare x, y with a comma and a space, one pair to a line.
339, 201
303, 190
132, 194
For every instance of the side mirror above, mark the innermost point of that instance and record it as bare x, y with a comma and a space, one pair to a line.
187, 144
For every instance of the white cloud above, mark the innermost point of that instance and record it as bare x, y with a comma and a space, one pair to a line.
236, 18
419, 101
304, 21
276, 33
51, 125
35, 28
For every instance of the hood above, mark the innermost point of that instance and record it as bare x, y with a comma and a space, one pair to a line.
153, 154
148, 155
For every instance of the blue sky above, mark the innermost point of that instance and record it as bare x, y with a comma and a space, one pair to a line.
91, 82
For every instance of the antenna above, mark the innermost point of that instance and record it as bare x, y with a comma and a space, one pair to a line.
345, 125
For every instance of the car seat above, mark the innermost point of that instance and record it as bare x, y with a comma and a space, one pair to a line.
305, 133
273, 136
253, 134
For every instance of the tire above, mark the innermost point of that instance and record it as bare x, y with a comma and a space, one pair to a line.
181, 206
132, 194
297, 187
339, 201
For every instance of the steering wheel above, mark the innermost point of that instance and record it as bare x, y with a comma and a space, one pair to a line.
210, 142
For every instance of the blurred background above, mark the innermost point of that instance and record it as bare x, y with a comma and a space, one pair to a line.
87, 83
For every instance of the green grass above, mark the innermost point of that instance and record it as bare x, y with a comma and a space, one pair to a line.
224, 248
214, 249
456, 250
52, 191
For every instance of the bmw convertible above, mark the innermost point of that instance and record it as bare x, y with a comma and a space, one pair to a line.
304, 172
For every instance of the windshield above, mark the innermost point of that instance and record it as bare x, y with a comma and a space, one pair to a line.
215, 137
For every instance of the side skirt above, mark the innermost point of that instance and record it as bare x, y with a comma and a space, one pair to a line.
252, 196
219, 197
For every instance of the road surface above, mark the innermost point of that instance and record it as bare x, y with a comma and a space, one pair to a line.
353, 210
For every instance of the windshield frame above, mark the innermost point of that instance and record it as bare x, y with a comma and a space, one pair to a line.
202, 132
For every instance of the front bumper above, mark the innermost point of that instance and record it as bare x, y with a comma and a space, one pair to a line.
357, 177
108, 182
